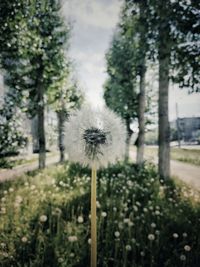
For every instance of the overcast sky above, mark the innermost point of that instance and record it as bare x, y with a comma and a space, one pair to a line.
93, 24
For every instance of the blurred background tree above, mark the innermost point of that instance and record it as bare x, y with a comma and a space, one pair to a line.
120, 88
35, 40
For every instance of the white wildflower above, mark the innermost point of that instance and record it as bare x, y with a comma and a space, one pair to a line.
157, 212
128, 247
33, 187
98, 204
80, 219
72, 238
103, 214
185, 235
182, 257
187, 248
24, 239
142, 253
135, 208
145, 210
3, 245
95, 137
18, 199
43, 218
153, 225
151, 237
130, 223
3, 210
60, 260
175, 235
117, 234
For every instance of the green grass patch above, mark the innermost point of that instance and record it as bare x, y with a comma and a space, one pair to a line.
191, 156
44, 219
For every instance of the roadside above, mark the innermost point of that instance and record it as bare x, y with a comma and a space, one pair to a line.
187, 154
30, 165
188, 173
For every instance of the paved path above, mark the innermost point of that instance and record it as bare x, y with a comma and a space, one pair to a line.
10, 174
186, 172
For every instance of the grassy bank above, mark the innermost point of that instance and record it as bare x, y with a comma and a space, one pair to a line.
191, 156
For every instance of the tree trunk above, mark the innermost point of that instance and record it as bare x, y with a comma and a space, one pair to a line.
41, 128
164, 129
61, 134
142, 72
128, 140
141, 117
40, 113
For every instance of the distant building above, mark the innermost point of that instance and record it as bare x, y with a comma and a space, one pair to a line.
188, 128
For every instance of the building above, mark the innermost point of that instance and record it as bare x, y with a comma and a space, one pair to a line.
189, 128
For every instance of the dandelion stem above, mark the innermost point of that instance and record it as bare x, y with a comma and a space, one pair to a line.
93, 220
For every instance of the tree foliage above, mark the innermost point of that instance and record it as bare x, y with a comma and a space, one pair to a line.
12, 135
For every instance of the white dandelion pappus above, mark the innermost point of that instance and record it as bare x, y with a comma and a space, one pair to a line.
95, 138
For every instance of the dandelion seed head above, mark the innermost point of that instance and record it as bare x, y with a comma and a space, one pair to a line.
142, 253
24, 239
153, 225
43, 218
104, 214
182, 257
95, 137
151, 237
117, 234
128, 247
72, 238
60, 260
175, 235
187, 248
185, 235
80, 219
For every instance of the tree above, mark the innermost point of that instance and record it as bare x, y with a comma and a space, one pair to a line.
164, 50
133, 28
186, 59
12, 136
64, 96
137, 25
38, 59
120, 88
177, 51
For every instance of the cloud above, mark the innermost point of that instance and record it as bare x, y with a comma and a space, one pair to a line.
95, 13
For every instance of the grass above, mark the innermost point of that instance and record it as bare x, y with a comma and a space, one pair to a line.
141, 223
191, 156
